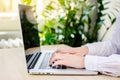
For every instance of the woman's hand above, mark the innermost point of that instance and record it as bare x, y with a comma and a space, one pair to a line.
78, 51
67, 59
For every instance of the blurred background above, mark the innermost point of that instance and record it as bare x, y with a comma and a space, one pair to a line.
70, 22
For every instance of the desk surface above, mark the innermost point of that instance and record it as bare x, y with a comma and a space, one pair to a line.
13, 67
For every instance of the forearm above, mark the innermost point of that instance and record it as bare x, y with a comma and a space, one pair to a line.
99, 48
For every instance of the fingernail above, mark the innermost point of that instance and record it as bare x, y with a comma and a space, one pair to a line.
50, 65
53, 62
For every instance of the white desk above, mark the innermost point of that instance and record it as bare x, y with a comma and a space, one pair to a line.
13, 67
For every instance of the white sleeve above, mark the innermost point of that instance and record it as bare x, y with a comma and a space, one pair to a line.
106, 65
109, 47
101, 48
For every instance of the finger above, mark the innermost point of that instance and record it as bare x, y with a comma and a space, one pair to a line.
59, 62
51, 58
58, 51
55, 58
53, 54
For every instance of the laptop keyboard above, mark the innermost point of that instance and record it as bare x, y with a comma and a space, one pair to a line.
45, 62
28, 57
46, 65
32, 59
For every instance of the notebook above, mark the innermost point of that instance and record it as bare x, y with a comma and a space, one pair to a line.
38, 61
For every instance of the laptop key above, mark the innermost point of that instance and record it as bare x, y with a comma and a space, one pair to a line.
45, 62
59, 67
28, 57
34, 61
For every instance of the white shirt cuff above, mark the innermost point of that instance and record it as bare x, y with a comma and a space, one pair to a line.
91, 62
95, 62
91, 49
107, 65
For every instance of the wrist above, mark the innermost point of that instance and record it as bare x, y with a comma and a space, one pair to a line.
85, 49
83, 62
82, 50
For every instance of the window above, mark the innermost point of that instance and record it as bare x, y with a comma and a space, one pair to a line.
8, 5
8, 15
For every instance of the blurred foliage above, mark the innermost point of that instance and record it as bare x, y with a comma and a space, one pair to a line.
100, 21
27, 2
70, 22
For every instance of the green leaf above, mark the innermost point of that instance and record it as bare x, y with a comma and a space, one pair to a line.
108, 2
117, 10
49, 38
109, 17
50, 7
62, 2
105, 8
113, 20
28, 2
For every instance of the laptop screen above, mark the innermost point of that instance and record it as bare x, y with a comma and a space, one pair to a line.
29, 26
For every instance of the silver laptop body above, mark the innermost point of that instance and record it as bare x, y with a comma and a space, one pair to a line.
38, 61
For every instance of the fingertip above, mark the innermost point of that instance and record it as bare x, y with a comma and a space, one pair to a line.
58, 62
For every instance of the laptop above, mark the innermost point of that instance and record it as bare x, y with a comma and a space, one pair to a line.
37, 60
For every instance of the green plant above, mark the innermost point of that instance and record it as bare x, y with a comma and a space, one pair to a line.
70, 26
27, 2
100, 20
73, 23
